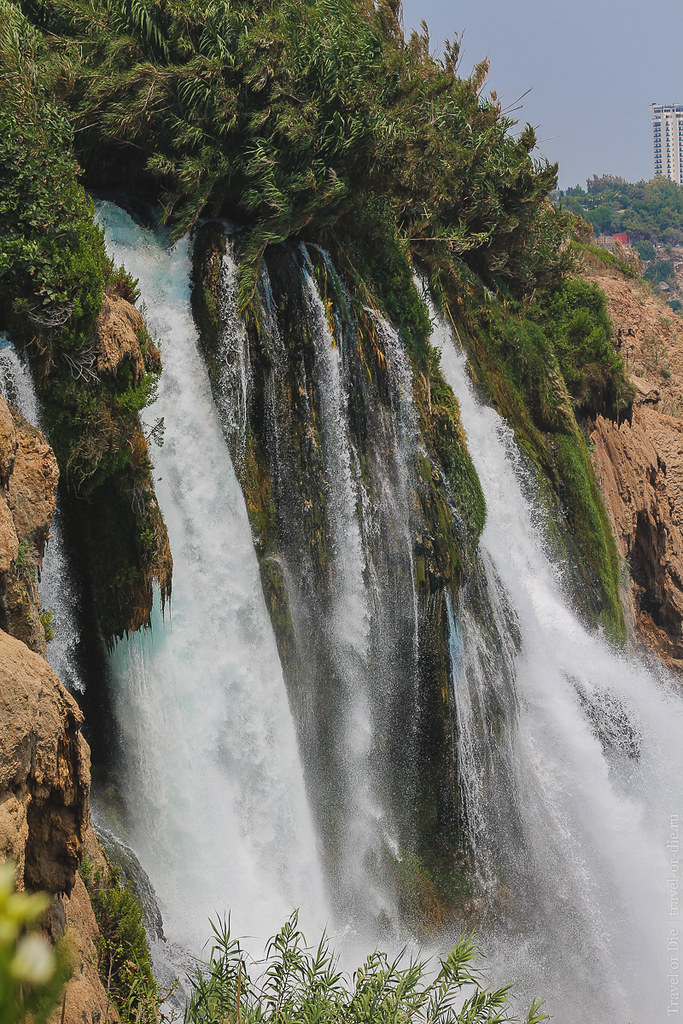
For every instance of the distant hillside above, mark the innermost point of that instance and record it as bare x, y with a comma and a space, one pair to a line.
647, 210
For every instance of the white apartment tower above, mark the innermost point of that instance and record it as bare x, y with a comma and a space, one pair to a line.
667, 140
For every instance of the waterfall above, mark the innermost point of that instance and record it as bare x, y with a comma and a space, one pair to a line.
575, 803
339, 444
568, 750
216, 808
57, 587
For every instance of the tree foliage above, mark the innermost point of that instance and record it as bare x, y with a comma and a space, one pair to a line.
646, 210
302, 115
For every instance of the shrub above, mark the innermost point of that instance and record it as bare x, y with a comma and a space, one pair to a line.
298, 983
574, 317
47, 621
124, 962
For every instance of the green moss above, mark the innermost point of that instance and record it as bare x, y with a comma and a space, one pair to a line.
430, 890
588, 522
207, 259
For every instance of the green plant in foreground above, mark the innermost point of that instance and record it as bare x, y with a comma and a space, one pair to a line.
31, 972
299, 983
124, 962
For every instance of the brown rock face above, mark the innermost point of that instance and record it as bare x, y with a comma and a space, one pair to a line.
8, 443
118, 332
44, 771
639, 466
28, 480
44, 760
32, 485
640, 472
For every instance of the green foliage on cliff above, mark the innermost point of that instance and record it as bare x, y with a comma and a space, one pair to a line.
52, 258
54, 272
573, 316
297, 983
647, 209
298, 116
124, 962
445, 430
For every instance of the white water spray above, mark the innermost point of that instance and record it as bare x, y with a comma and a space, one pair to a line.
589, 768
232, 354
217, 810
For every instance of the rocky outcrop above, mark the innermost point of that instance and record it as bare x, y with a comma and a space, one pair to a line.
44, 760
120, 333
640, 470
44, 772
28, 479
639, 464
111, 504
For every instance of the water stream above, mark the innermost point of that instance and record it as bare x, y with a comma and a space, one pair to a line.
573, 806
216, 807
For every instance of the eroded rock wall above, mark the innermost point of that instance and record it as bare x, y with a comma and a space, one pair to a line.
28, 479
44, 759
639, 464
44, 771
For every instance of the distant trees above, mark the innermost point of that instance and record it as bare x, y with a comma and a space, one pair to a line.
646, 210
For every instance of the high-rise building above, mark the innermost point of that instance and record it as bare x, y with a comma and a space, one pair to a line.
667, 140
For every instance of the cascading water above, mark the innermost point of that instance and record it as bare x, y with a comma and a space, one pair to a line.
340, 443
58, 592
573, 802
567, 750
216, 806
234, 390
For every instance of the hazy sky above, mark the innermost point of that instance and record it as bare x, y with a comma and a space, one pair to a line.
593, 68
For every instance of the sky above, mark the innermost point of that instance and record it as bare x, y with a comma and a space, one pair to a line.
593, 69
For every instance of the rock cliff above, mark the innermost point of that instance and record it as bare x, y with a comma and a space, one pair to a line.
639, 464
44, 759
44, 771
28, 478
